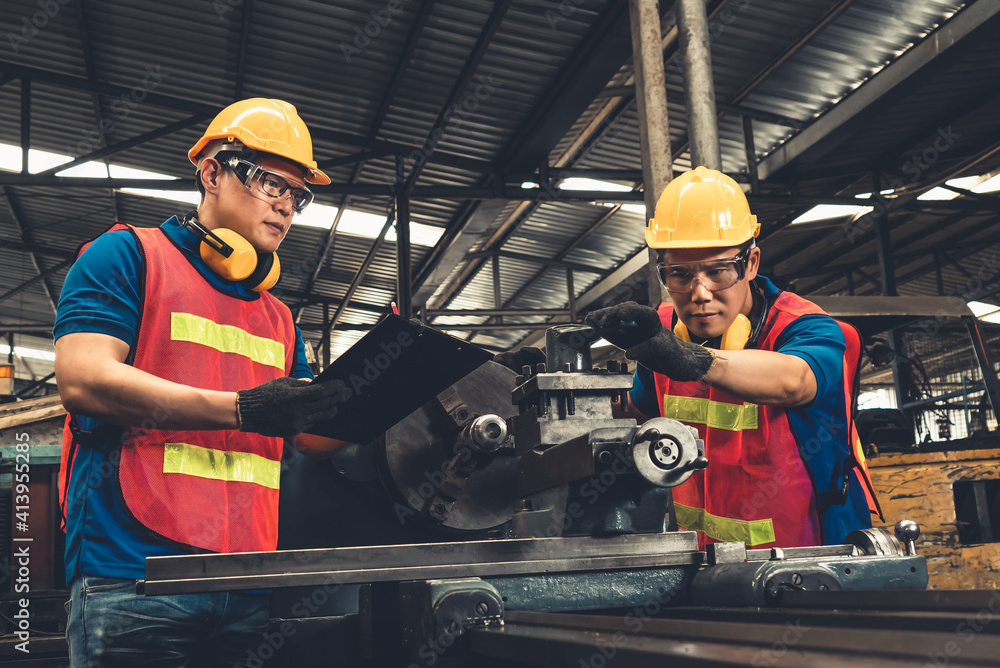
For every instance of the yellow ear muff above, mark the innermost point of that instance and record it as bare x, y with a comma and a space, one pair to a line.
240, 263
737, 334
734, 338
681, 331
265, 275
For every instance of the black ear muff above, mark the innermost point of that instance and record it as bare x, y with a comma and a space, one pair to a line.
265, 275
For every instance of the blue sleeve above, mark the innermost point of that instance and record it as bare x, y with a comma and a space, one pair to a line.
101, 290
643, 392
301, 369
819, 341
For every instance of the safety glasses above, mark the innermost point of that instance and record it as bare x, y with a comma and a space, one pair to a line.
715, 275
267, 186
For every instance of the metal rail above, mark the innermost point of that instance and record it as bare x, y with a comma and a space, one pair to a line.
940, 635
394, 563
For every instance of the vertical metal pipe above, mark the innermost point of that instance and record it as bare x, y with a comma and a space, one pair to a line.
884, 239
986, 365
651, 102
572, 294
654, 131
750, 148
699, 89
326, 339
404, 282
497, 294
887, 268
850, 282
938, 274
25, 123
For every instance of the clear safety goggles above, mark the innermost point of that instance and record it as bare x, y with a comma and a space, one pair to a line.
715, 275
266, 185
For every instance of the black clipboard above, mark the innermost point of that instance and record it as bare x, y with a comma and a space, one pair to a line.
392, 371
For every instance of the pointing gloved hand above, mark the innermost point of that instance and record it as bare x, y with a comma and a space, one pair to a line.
288, 406
638, 330
515, 359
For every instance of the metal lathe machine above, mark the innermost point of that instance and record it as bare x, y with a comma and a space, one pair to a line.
515, 521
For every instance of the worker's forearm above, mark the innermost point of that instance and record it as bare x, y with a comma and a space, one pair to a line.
129, 396
762, 377
121, 394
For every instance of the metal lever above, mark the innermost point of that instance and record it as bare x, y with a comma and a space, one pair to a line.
907, 531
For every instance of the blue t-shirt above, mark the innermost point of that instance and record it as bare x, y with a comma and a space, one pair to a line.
101, 295
817, 339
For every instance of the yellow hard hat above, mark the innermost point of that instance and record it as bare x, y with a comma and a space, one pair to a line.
270, 126
702, 208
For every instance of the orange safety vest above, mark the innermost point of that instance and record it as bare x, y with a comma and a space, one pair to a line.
211, 490
766, 485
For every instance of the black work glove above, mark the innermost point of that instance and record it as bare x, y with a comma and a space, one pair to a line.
640, 332
515, 359
625, 324
288, 406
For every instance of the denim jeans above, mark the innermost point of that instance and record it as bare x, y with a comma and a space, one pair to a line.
110, 625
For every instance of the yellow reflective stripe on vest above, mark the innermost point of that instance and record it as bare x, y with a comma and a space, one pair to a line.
227, 339
717, 414
753, 532
195, 460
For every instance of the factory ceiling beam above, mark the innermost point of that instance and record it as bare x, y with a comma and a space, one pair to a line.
107, 151
489, 193
976, 21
